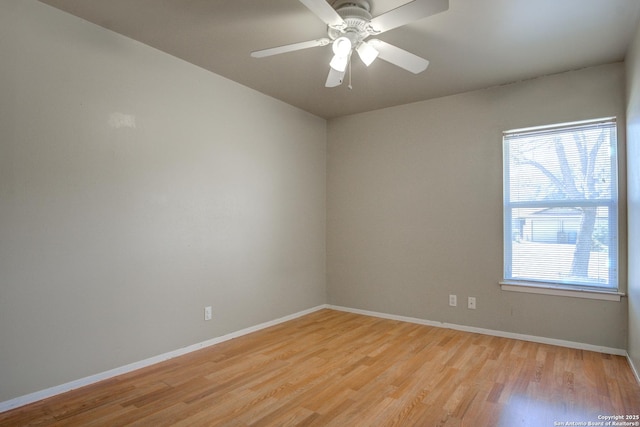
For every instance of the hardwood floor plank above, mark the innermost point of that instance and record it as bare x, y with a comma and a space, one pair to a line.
332, 368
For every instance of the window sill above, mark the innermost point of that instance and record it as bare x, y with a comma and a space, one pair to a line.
558, 290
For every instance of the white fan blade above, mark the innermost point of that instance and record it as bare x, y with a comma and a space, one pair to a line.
334, 78
407, 13
399, 57
325, 12
290, 48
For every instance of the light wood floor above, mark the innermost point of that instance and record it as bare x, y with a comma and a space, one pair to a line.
332, 368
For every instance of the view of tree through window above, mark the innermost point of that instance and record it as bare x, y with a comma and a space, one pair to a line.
560, 204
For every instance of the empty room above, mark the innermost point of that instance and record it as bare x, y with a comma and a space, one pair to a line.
320, 212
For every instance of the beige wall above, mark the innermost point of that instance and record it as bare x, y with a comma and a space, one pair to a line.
633, 159
415, 207
135, 189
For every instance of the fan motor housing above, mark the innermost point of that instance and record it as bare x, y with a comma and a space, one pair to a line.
356, 15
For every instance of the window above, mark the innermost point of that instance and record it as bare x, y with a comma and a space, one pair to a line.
561, 207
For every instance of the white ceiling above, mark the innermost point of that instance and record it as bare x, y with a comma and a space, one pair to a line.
473, 45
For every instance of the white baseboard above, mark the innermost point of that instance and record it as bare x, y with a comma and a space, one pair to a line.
634, 369
523, 337
50, 392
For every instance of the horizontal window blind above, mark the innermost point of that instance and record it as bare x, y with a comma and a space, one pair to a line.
560, 204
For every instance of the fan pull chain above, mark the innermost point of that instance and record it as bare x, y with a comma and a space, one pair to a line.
349, 86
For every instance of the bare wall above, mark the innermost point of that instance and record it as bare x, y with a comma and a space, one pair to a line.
633, 178
414, 210
135, 189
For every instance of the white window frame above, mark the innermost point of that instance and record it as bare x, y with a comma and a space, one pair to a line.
545, 286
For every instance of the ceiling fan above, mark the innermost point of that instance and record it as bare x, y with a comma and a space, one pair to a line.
350, 23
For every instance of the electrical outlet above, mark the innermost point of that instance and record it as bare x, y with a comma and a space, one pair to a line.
207, 313
453, 300
471, 303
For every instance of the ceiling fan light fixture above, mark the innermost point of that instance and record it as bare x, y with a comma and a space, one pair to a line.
367, 53
349, 23
342, 46
339, 63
